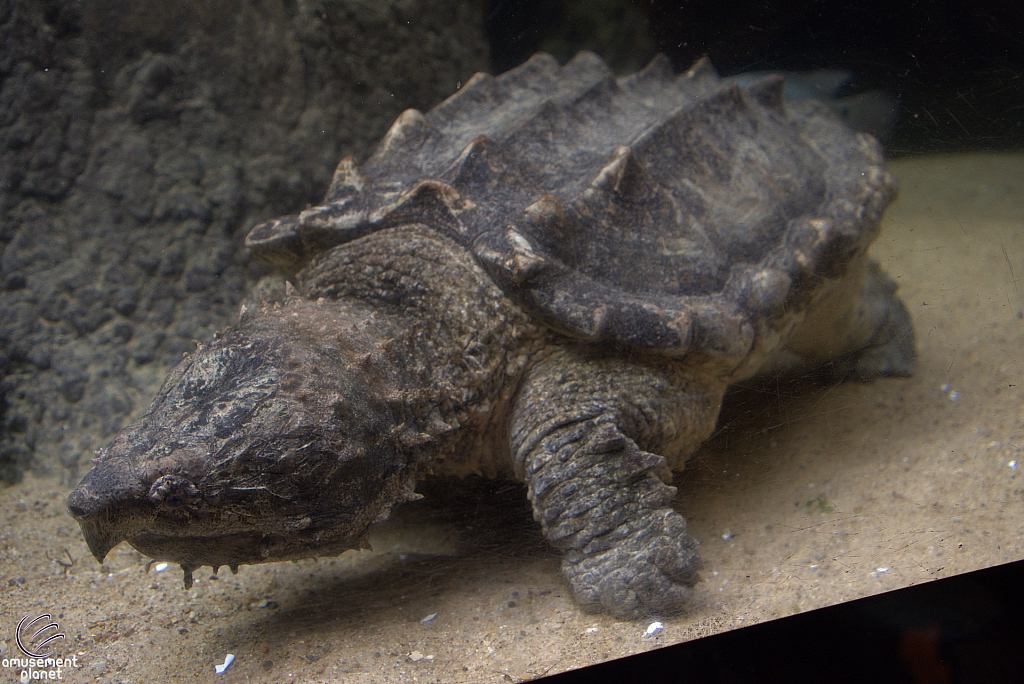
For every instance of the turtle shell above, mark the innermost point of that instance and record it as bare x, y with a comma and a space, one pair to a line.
671, 213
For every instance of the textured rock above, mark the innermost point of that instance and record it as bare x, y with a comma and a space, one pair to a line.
137, 141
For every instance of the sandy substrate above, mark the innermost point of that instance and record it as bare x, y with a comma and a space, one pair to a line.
808, 496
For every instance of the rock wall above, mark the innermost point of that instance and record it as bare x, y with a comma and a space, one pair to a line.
138, 143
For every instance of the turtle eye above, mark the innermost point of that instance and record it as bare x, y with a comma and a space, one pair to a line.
172, 493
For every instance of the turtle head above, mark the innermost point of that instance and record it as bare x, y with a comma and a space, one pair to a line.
273, 442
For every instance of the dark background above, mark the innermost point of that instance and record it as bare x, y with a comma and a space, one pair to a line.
964, 629
955, 66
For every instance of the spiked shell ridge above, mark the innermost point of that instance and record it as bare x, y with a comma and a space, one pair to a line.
671, 213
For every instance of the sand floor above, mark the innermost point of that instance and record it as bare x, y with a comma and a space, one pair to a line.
807, 496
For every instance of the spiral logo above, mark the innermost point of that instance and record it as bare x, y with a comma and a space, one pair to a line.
37, 643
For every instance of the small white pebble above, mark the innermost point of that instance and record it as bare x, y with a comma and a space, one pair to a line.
653, 629
428, 618
881, 570
954, 395
416, 657
228, 659
160, 567
593, 630
1011, 464
727, 536
944, 389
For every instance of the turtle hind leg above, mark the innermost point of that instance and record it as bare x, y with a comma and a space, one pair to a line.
580, 436
858, 330
890, 351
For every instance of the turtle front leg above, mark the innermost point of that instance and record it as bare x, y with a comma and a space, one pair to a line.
595, 438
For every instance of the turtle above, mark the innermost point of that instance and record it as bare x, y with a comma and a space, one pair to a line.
552, 276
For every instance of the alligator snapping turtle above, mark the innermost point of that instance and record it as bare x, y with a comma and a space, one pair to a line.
553, 276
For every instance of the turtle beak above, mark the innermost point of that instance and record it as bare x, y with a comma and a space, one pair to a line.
107, 505
100, 541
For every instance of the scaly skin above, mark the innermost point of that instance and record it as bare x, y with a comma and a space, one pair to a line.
295, 430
